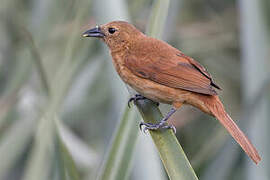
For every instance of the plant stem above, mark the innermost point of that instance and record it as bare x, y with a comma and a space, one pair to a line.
170, 151
118, 161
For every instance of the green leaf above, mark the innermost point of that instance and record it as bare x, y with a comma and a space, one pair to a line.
171, 152
66, 159
118, 160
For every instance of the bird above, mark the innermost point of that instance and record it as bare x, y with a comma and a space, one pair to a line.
164, 74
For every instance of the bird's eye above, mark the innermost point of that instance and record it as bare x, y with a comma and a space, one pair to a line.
111, 30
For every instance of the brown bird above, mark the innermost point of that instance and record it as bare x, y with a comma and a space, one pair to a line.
162, 73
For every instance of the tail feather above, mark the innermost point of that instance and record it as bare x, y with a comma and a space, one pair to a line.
216, 108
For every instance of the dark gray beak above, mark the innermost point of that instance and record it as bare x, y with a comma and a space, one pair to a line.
95, 32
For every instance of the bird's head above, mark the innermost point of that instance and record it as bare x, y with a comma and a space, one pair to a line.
116, 34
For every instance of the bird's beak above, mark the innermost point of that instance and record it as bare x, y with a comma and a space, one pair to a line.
95, 32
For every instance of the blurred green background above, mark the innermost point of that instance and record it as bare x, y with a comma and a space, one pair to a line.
61, 99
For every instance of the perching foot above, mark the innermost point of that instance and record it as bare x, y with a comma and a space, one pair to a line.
138, 97
161, 125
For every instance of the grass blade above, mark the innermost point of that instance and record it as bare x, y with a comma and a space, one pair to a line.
42, 153
14, 143
66, 159
117, 163
171, 152
158, 18
255, 46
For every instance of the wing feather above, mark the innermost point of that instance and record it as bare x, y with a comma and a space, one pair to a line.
173, 69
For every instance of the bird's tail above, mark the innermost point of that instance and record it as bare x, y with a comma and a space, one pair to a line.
216, 108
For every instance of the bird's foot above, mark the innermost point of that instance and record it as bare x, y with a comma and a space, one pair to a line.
136, 98
161, 125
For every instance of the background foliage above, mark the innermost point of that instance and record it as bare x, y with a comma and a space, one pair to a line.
61, 98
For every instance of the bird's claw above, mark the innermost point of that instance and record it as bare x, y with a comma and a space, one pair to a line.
144, 124
135, 98
150, 126
170, 127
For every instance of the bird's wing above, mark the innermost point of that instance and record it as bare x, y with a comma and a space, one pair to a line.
199, 67
179, 71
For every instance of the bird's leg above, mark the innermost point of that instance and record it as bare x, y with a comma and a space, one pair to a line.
136, 98
161, 124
